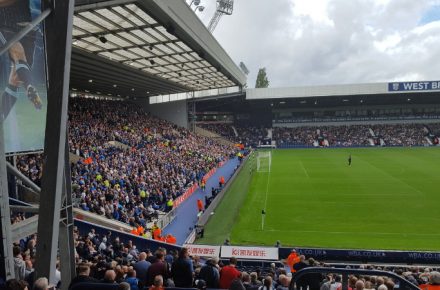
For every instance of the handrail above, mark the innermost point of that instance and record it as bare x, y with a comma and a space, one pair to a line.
403, 283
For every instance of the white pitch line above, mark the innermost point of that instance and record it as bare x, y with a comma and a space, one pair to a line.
304, 169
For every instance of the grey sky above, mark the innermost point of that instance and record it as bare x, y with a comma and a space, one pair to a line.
314, 42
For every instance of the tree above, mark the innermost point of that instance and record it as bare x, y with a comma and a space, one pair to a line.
262, 81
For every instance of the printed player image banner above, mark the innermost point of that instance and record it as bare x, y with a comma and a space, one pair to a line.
414, 86
22, 78
260, 253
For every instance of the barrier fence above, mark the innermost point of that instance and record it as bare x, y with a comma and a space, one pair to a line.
402, 283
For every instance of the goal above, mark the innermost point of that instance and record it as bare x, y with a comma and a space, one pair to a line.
264, 161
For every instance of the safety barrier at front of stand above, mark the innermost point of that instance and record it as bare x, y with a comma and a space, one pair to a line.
403, 284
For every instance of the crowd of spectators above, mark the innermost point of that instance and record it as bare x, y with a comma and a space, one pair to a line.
225, 130
106, 259
157, 162
401, 134
339, 136
31, 166
247, 135
295, 136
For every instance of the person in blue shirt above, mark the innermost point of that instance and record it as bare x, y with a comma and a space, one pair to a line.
132, 280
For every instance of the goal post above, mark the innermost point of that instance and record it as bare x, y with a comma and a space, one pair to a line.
264, 161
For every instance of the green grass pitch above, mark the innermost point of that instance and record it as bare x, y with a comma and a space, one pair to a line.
389, 198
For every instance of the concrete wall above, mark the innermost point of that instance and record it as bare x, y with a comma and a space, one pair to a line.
174, 112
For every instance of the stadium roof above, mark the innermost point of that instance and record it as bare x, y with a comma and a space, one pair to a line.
145, 48
344, 90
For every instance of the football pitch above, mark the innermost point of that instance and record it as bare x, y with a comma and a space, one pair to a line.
389, 198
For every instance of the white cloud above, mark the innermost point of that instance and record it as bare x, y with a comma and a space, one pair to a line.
312, 42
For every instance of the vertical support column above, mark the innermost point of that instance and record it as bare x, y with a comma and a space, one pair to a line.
191, 105
58, 43
6, 256
67, 257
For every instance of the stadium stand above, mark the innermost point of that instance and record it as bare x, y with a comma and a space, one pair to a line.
130, 184
105, 261
333, 136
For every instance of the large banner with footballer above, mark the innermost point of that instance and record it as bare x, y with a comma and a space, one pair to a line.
23, 93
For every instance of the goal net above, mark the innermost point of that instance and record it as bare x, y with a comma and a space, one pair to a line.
264, 161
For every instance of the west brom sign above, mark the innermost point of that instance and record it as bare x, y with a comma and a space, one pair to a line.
414, 86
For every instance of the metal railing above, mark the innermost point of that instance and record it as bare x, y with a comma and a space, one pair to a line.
403, 283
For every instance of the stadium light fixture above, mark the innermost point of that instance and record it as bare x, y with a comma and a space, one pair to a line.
195, 2
199, 8
102, 39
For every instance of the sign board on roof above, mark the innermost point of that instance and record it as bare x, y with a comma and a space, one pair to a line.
203, 250
258, 253
414, 86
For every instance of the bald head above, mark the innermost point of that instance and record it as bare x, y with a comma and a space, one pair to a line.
110, 276
142, 256
360, 285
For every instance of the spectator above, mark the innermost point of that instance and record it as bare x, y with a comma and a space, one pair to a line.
237, 285
267, 284
360, 285
228, 274
246, 279
41, 284
141, 268
14, 284
182, 270
284, 282
210, 273
158, 268
83, 275
157, 283
132, 280
19, 264
254, 280
124, 286
109, 277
